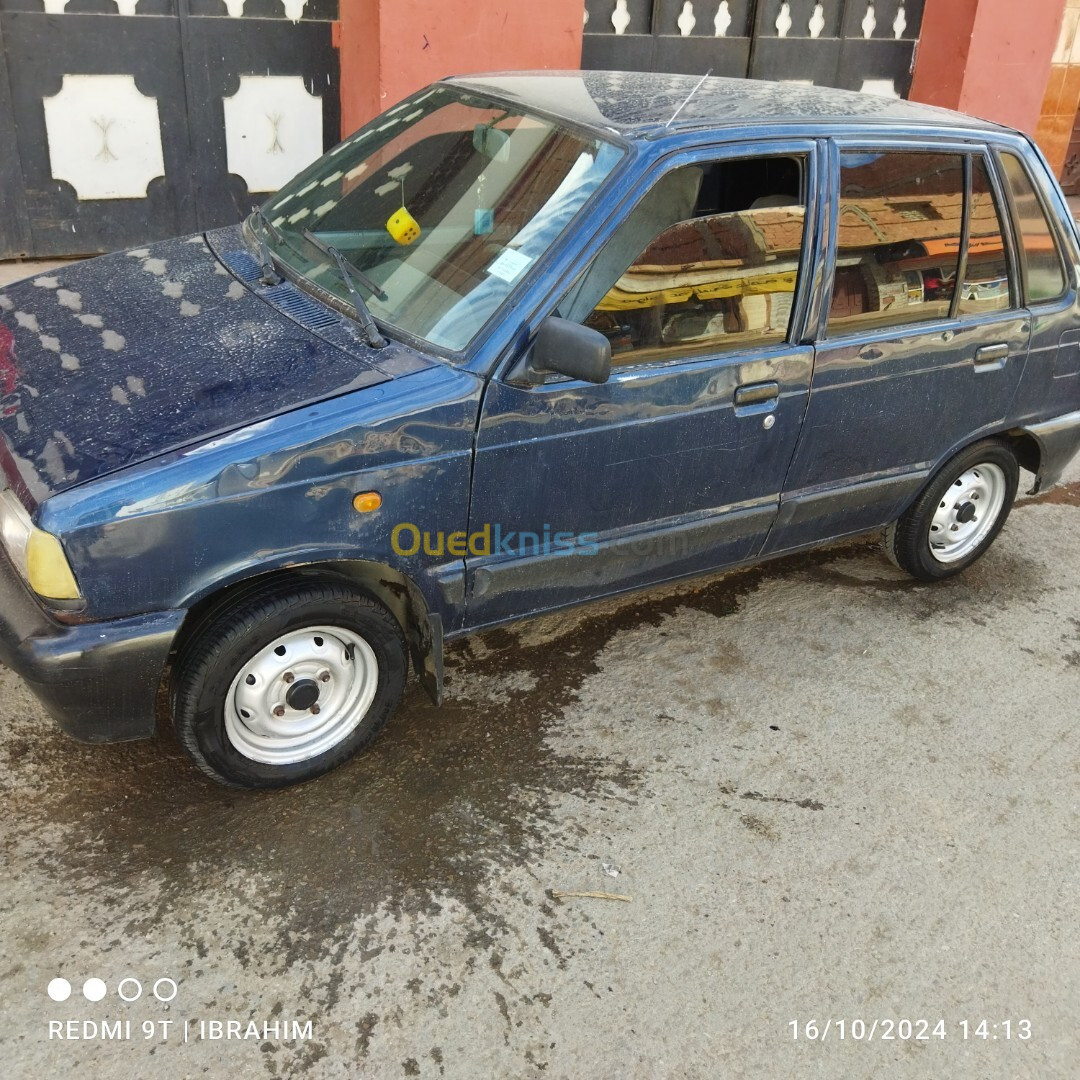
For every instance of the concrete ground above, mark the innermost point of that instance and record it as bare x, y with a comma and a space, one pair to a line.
828, 793
17, 269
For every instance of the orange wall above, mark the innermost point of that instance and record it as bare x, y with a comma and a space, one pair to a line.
1062, 98
941, 59
990, 58
1009, 60
389, 48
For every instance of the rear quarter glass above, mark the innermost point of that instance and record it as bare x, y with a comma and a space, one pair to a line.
1040, 258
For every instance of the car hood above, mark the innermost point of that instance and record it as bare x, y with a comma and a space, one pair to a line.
111, 361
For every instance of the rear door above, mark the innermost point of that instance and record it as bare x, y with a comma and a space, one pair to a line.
922, 344
1046, 246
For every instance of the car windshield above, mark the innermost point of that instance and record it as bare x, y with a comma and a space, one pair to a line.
443, 203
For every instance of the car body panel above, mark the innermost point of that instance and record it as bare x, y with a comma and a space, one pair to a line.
279, 493
885, 406
640, 103
264, 413
657, 463
119, 359
601, 459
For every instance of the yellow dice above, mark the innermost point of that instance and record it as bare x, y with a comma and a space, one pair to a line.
403, 227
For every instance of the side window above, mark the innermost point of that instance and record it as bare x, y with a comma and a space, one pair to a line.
986, 278
1044, 274
897, 239
706, 262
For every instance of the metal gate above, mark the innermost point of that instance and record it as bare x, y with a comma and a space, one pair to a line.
127, 121
854, 44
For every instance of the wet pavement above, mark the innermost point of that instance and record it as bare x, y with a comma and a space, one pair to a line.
829, 792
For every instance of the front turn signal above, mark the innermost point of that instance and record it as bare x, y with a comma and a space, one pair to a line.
47, 568
367, 501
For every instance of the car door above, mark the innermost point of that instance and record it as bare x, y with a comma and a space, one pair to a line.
1045, 246
922, 344
674, 465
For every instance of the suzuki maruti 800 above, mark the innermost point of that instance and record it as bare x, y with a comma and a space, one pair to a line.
520, 342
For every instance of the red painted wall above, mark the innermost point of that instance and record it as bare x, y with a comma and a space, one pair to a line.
941, 58
389, 48
1009, 60
990, 58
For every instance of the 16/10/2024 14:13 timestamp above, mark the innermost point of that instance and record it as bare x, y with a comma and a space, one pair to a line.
905, 1030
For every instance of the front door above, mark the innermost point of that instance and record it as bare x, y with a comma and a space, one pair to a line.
675, 464
924, 342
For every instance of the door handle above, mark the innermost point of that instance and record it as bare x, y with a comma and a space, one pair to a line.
991, 357
756, 394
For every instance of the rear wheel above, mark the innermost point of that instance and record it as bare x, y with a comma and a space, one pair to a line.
958, 516
288, 685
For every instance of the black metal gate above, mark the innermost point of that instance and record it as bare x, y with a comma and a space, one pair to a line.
127, 121
854, 44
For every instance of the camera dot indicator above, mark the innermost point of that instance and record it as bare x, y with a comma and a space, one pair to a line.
93, 989
59, 989
129, 989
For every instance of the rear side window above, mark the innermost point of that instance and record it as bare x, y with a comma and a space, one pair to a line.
986, 276
898, 239
1044, 274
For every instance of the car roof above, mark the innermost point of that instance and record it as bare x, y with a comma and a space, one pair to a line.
636, 103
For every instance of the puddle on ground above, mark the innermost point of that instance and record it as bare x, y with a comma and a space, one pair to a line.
441, 798
1062, 495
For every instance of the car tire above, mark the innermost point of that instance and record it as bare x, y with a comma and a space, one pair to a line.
956, 519
288, 684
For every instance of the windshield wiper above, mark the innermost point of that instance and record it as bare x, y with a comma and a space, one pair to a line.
356, 272
269, 276
348, 274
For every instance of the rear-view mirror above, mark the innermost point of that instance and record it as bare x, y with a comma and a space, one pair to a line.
491, 143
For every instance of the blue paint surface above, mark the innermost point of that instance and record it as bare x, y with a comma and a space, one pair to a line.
117, 359
184, 428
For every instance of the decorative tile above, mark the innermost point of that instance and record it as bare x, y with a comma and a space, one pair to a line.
1066, 36
620, 17
687, 20
1069, 96
273, 129
722, 20
880, 87
104, 136
883, 88
57, 7
869, 22
783, 20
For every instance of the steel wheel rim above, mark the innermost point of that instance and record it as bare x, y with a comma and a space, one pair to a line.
301, 695
967, 511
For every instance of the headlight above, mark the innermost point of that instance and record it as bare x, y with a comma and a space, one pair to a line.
15, 529
37, 555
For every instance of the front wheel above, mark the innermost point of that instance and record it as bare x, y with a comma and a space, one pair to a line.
288, 685
958, 516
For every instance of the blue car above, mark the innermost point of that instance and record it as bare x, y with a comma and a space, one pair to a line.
521, 342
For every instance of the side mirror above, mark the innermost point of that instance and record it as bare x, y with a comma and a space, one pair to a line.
564, 348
